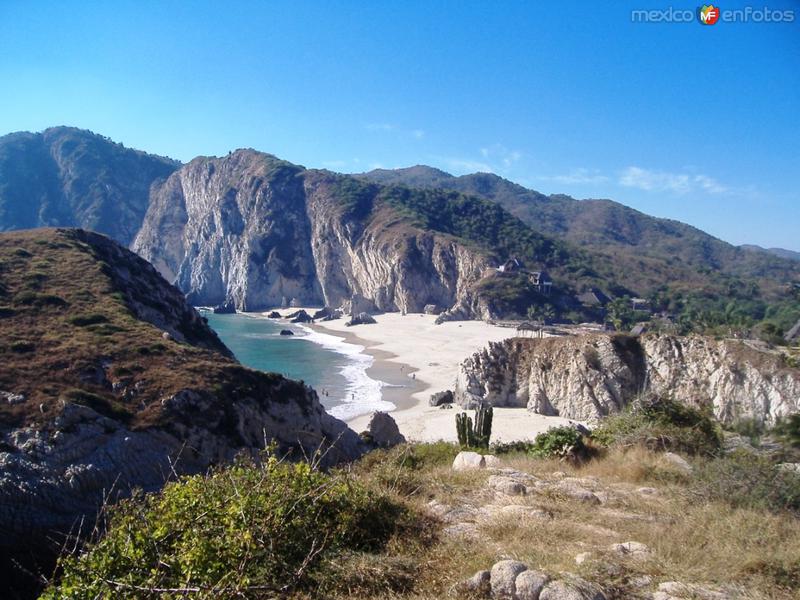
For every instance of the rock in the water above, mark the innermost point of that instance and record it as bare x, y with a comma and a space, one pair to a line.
530, 584
361, 319
274, 315
677, 462
301, 316
287, 332
465, 461
571, 588
383, 431
445, 397
504, 577
227, 308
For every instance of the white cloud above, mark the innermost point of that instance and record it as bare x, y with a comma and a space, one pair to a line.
418, 133
579, 176
663, 181
415, 133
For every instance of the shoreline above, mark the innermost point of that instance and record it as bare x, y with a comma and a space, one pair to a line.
402, 345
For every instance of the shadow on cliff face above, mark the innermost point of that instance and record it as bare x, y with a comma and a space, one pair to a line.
630, 351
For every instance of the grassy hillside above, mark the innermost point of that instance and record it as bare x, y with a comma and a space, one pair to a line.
89, 322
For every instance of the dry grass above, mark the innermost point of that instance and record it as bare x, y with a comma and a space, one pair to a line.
754, 552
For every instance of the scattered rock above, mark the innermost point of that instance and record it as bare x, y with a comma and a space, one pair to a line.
383, 430
492, 462
478, 584
582, 557
529, 585
287, 332
631, 549
677, 462
465, 461
647, 491
789, 467
335, 314
504, 576
274, 315
571, 588
506, 485
167, 336
670, 590
439, 398
12, 398
577, 492
518, 511
361, 319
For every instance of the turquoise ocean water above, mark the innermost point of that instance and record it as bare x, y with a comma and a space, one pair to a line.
325, 362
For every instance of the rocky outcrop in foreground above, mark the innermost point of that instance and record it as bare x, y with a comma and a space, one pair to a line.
588, 377
110, 381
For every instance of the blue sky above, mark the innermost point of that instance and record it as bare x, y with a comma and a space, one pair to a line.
697, 123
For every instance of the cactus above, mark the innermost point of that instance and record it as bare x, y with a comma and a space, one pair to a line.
479, 435
464, 430
483, 426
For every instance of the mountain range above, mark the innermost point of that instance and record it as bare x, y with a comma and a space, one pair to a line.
256, 231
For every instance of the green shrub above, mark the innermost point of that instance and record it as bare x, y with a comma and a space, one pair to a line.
559, 442
244, 531
788, 430
744, 479
661, 424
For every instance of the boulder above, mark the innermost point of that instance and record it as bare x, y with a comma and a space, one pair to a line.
492, 462
503, 578
785, 467
334, 314
506, 485
274, 315
631, 549
530, 584
466, 461
359, 304
321, 313
676, 461
445, 397
478, 584
382, 431
360, 319
226, 308
432, 309
301, 316
571, 588
167, 336
287, 332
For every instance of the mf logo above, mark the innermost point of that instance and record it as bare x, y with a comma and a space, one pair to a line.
708, 15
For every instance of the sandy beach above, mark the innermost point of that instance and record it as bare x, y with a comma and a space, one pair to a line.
420, 358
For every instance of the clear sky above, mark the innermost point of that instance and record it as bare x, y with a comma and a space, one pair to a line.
698, 123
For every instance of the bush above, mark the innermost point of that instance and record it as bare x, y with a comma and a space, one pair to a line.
788, 430
661, 424
260, 531
747, 480
560, 442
